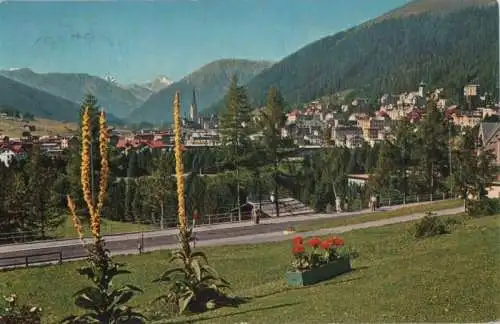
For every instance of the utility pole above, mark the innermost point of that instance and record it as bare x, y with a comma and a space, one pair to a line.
405, 180
238, 192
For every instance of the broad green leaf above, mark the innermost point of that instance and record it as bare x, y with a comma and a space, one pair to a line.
124, 297
210, 270
83, 301
134, 288
200, 255
197, 270
166, 275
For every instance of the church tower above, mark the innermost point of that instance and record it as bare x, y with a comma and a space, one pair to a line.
193, 109
421, 89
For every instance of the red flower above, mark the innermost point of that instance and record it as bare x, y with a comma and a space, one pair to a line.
325, 245
298, 240
336, 241
298, 249
314, 242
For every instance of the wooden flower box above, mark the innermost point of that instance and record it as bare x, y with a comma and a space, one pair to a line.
327, 271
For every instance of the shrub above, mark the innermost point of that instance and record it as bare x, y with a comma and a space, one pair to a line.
101, 302
483, 207
16, 314
432, 225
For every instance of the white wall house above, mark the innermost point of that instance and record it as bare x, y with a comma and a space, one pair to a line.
6, 157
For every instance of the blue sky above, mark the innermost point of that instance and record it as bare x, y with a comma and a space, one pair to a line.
136, 41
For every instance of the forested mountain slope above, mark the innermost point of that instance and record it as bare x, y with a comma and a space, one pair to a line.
395, 54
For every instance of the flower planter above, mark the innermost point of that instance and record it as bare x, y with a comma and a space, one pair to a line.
316, 275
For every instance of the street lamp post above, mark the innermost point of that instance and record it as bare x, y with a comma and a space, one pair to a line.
450, 158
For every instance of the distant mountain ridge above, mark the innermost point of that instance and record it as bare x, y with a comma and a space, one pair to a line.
394, 53
18, 96
74, 86
210, 81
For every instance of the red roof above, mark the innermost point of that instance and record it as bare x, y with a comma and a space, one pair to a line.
17, 148
122, 143
382, 113
157, 144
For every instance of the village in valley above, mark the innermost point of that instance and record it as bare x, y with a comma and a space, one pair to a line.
311, 126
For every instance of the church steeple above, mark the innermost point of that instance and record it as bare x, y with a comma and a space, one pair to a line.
193, 109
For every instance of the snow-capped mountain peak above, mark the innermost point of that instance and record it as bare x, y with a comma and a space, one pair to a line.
158, 84
108, 77
164, 80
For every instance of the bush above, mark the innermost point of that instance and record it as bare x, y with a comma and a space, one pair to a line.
16, 314
483, 207
432, 225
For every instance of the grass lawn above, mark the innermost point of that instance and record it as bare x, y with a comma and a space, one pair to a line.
14, 128
449, 278
329, 223
66, 230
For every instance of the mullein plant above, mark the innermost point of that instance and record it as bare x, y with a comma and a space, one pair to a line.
101, 303
193, 285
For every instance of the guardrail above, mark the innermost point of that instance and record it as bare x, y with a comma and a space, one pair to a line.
25, 259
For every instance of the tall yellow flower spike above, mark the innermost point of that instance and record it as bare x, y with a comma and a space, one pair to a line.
103, 175
75, 219
179, 166
85, 164
85, 176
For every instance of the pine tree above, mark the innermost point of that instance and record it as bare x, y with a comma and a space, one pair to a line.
136, 206
17, 206
235, 132
42, 197
161, 185
432, 149
272, 121
472, 172
130, 187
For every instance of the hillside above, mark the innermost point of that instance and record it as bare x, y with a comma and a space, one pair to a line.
44, 127
140, 92
210, 82
72, 86
394, 55
21, 97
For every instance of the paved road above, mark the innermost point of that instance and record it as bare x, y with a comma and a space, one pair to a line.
233, 233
